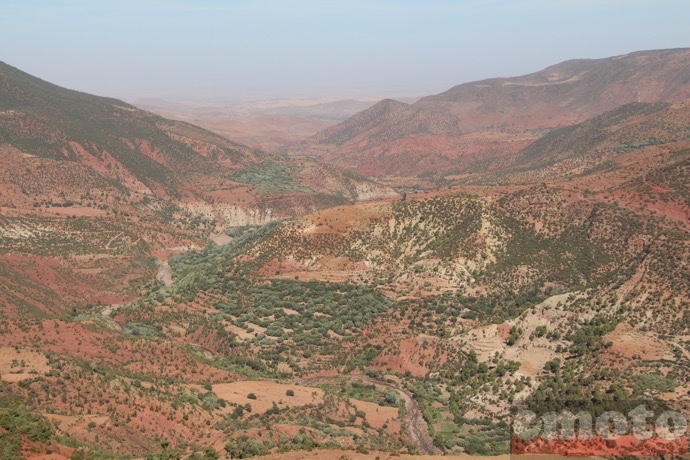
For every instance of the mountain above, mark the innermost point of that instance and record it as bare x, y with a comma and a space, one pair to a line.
145, 152
91, 186
476, 303
461, 128
222, 300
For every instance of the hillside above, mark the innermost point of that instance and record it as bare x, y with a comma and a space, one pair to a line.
471, 303
470, 123
95, 195
636, 154
146, 153
91, 187
166, 293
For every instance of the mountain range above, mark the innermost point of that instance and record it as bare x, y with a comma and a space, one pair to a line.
400, 283
459, 129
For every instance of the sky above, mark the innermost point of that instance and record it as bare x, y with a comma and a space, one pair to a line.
241, 50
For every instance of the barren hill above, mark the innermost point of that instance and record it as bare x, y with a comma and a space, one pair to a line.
497, 117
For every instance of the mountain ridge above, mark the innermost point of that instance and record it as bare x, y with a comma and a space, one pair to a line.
497, 117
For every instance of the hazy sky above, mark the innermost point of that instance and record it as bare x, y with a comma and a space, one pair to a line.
241, 49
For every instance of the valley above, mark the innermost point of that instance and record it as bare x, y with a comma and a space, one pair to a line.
266, 125
397, 285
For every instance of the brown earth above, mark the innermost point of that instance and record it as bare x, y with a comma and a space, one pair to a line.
267, 393
330, 454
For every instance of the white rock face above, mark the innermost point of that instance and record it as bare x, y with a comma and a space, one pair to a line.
19, 231
235, 216
229, 215
369, 191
